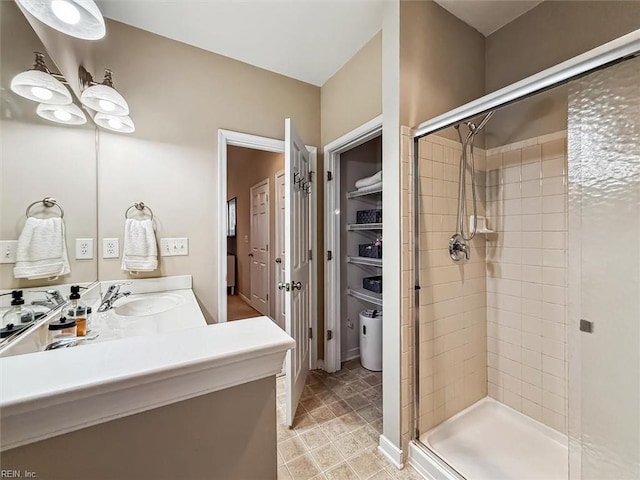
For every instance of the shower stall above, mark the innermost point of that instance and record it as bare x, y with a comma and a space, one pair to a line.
526, 261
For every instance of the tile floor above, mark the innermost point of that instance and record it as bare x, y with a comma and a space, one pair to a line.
336, 429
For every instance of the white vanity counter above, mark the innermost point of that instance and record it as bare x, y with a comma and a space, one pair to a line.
45, 394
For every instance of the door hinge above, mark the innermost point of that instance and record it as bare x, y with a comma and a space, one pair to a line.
267, 296
310, 332
329, 334
267, 247
310, 254
329, 176
311, 172
329, 255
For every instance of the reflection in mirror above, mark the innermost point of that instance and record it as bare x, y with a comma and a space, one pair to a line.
41, 159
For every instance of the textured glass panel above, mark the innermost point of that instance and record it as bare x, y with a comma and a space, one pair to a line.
604, 268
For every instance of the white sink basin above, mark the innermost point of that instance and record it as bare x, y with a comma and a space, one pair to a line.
146, 305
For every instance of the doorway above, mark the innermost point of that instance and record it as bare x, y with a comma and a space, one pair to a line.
300, 242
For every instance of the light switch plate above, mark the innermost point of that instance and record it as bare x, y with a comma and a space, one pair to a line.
8, 251
84, 248
110, 248
172, 247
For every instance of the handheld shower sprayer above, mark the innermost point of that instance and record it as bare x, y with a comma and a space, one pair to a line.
458, 243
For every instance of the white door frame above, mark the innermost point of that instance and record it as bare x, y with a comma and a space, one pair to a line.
279, 305
238, 139
266, 182
332, 151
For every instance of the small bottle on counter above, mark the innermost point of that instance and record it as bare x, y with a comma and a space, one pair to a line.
61, 328
18, 314
78, 311
89, 310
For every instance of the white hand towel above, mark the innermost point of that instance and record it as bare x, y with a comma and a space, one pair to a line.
42, 249
140, 253
366, 182
371, 188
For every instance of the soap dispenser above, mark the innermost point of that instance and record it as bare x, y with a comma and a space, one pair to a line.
78, 311
18, 314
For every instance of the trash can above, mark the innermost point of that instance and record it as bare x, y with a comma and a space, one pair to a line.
371, 340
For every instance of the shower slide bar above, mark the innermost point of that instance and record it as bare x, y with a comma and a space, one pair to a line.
604, 55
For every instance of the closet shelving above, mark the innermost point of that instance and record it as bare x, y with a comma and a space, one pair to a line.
361, 293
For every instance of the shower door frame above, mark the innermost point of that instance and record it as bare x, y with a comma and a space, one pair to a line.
622, 48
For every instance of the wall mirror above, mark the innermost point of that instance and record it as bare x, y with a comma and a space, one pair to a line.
40, 159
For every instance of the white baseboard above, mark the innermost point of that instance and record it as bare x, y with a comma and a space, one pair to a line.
351, 354
429, 465
244, 299
391, 452
320, 364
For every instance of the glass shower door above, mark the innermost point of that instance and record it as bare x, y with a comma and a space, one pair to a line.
604, 273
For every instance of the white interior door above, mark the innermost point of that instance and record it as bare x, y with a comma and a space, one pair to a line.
297, 168
279, 249
259, 254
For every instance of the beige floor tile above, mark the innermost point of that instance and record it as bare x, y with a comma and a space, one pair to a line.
311, 403
382, 475
334, 428
303, 468
327, 456
367, 436
304, 422
352, 421
407, 473
322, 414
283, 473
369, 413
314, 438
341, 472
356, 401
365, 464
348, 445
339, 408
284, 433
292, 448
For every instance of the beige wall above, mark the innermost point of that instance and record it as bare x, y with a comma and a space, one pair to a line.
39, 158
245, 168
230, 434
353, 95
441, 62
179, 97
541, 38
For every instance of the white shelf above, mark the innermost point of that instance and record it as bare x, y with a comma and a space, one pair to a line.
357, 193
366, 295
373, 262
355, 227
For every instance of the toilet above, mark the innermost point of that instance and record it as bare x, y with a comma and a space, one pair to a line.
371, 340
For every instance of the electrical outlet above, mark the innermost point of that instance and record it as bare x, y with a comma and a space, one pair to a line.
171, 247
8, 250
84, 248
110, 248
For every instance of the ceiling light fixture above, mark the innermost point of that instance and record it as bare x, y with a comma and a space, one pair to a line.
40, 85
78, 18
102, 97
67, 114
116, 123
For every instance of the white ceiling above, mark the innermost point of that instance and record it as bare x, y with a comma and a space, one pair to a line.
487, 16
305, 39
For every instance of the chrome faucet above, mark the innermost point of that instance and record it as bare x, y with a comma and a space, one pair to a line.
112, 294
54, 299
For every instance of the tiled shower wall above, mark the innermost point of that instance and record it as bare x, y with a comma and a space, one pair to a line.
526, 193
452, 329
497, 324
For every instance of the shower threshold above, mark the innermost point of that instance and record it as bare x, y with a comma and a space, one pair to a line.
490, 441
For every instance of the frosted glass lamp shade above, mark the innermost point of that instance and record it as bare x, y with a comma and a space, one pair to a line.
40, 87
78, 18
104, 99
115, 123
66, 114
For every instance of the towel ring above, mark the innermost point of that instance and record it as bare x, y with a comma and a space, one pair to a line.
47, 202
140, 206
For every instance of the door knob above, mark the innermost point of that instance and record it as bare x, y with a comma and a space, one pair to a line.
284, 286
278, 260
296, 285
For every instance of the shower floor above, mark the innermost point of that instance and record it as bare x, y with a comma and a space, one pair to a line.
490, 441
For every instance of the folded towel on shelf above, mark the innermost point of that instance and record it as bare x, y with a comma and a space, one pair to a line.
366, 182
140, 252
371, 188
42, 249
